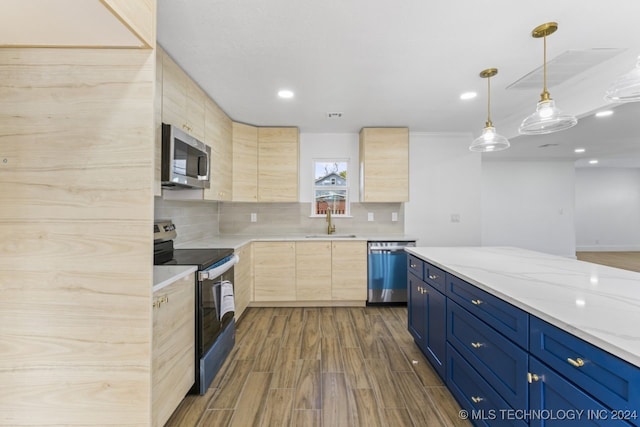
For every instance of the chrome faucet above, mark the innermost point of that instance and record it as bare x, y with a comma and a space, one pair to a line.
331, 228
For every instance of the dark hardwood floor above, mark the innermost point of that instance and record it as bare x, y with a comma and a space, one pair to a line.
327, 367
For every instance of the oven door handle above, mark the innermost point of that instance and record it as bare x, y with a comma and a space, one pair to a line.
212, 273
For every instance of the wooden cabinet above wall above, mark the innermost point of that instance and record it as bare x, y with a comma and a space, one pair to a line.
278, 164
384, 165
245, 163
218, 131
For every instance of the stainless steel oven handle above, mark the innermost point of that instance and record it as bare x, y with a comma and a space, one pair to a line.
219, 270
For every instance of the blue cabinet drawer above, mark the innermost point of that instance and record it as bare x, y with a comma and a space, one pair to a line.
415, 266
435, 277
500, 362
611, 380
483, 403
552, 394
510, 321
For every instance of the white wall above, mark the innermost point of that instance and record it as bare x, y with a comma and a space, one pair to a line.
608, 209
445, 180
529, 204
327, 146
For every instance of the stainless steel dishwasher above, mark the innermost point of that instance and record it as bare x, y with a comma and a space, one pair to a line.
387, 272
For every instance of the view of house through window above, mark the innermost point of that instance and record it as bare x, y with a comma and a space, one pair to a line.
330, 188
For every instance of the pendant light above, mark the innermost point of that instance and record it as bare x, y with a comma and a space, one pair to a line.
489, 140
625, 88
547, 118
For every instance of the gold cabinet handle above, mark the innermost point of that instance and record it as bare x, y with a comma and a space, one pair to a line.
531, 378
477, 344
433, 276
476, 302
577, 363
476, 399
162, 300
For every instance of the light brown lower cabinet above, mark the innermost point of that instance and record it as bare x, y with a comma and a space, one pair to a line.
173, 347
349, 270
305, 272
274, 270
243, 279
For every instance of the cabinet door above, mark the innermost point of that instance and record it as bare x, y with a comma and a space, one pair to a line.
384, 164
436, 337
274, 268
173, 347
174, 93
313, 271
552, 393
218, 137
195, 109
243, 279
349, 270
245, 163
416, 310
277, 164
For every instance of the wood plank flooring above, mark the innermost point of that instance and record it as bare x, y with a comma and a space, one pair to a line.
624, 260
328, 366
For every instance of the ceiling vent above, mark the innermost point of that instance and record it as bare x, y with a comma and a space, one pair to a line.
334, 115
565, 66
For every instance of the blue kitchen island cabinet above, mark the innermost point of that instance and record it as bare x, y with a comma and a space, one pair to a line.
528, 338
427, 313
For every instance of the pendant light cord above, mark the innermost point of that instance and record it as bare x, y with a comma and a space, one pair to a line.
545, 93
489, 124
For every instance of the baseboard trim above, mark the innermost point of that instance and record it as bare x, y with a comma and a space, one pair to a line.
601, 248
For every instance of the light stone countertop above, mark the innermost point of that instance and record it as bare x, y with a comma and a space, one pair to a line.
597, 303
237, 241
164, 275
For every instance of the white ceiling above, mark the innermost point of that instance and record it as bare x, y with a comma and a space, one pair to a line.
384, 63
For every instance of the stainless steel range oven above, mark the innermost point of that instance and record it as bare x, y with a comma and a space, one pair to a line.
214, 311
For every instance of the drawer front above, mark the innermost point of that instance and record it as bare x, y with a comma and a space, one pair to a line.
435, 277
474, 394
556, 395
500, 362
415, 266
611, 380
510, 321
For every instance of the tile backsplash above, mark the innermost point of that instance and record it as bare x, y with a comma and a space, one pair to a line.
205, 220
193, 219
295, 219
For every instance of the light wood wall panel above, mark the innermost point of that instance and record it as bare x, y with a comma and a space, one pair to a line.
76, 209
139, 16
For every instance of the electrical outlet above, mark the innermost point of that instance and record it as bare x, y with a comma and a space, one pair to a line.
254, 217
455, 217
394, 216
369, 216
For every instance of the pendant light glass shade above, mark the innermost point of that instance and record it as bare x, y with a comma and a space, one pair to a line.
625, 88
489, 141
547, 118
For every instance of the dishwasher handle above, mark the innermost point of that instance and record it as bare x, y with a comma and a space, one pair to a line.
398, 248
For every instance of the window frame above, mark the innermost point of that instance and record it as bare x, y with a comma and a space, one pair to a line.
345, 188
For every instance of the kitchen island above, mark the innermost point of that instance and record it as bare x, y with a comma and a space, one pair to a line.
514, 329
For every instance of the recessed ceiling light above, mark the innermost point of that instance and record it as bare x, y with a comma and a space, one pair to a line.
593, 162
285, 94
468, 95
604, 113
579, 150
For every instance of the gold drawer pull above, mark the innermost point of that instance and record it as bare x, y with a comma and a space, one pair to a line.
477, 344
433, 276
476, 302
531, 378
577, 363
476, 399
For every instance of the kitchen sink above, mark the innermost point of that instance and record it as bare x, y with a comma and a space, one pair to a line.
330, 236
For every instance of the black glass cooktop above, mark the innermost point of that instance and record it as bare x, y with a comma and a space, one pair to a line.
203, 258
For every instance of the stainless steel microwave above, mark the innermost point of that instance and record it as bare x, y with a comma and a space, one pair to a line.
185, 160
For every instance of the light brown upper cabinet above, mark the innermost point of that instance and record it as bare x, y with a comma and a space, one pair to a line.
384, 165
245, 163
218, 131
278, 164
157, 121
183, 102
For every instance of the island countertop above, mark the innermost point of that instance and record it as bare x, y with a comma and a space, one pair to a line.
597, 303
